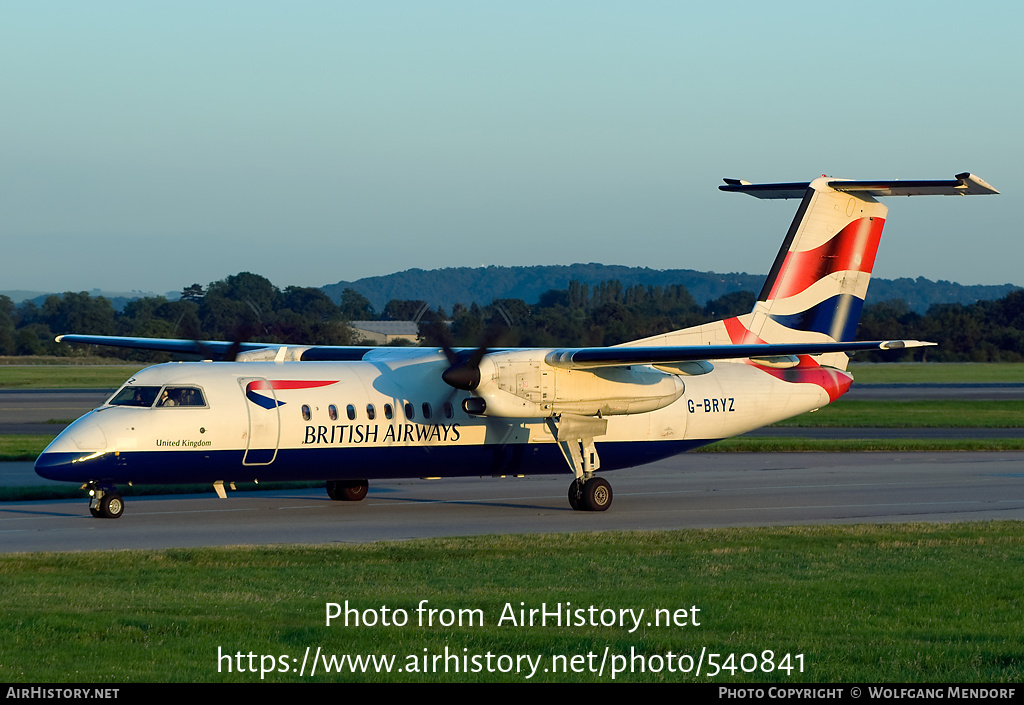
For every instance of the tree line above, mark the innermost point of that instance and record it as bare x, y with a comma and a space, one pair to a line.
249, 307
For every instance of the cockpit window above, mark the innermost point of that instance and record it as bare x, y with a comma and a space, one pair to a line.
181, 396
135, 396
168, 396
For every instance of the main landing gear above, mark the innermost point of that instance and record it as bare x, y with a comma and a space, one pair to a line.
575, 437
104, 502
347, 490
594, 495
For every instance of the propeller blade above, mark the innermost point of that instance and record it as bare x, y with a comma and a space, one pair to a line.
438, 334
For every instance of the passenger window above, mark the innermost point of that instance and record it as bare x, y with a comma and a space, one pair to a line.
351, 412
371, 413
306, 413
388, 412
410, 412
426, 410
332, 412
449, 410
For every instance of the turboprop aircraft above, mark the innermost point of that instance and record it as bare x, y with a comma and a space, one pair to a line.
347, 415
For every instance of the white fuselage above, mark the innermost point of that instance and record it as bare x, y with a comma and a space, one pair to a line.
389, 415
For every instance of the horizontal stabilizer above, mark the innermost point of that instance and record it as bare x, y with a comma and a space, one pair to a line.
965, 184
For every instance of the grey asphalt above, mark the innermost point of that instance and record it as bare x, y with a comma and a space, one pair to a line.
690, 491
43, 411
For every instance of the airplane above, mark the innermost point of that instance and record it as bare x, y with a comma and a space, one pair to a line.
348, 415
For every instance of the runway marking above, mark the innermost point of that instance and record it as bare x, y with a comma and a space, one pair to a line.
196, 511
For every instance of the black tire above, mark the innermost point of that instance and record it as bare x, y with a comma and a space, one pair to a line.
95, 512
597, 494
111, 506
356, 491
333, 491
347, 490
576, 496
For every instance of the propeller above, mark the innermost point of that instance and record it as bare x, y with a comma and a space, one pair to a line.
463, 370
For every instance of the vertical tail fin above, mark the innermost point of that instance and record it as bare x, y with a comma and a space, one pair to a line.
817, 285
820, 277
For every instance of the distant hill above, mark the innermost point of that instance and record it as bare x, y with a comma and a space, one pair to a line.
444, 287
117, 298
466, 285
19, 295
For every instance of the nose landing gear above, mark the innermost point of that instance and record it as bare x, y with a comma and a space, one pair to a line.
104, 501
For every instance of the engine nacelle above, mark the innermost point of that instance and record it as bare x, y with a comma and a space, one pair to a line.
519, 384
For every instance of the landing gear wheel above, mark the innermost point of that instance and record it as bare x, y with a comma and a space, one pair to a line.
347, 490
356, 491
111, 506
576, 495
96, 512
597, 494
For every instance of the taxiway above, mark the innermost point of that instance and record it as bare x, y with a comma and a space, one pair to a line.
699, 490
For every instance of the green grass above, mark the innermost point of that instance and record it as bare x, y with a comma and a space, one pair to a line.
936, 413
59, 360
860, 603
937, 372
23, 447
66, 376
772, 444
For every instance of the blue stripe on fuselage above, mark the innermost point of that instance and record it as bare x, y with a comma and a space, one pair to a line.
316, 464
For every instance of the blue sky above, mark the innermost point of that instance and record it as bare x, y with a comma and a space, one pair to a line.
151, 145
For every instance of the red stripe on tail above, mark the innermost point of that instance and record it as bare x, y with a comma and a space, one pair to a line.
852, 249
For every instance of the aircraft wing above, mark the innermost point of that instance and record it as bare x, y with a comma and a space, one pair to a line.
213, 348
197, 347
569, 358
581, 358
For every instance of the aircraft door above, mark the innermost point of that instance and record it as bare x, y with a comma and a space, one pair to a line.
263, 409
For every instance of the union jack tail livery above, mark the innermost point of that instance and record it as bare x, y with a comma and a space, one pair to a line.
816, 287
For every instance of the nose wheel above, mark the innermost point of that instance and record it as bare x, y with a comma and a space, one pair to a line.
105, 503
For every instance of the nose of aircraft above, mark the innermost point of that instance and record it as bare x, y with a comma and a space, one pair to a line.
75, 453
